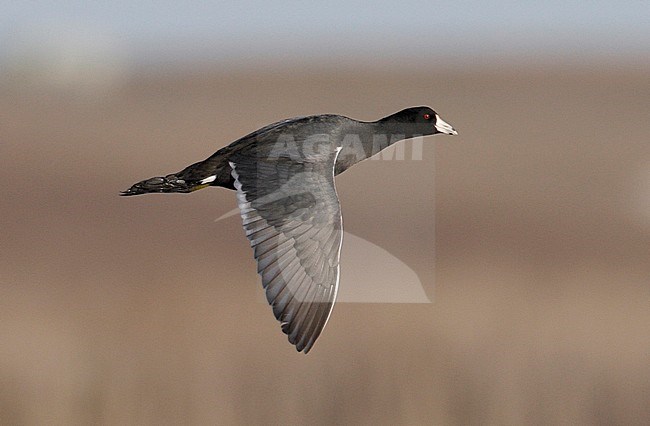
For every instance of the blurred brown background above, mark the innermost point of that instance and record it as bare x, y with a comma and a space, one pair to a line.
530, 231
145, 311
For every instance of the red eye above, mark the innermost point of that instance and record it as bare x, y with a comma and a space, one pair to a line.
426, 116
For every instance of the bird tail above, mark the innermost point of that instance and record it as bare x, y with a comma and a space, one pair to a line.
169, 183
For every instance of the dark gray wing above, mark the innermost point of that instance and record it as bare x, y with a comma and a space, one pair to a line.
292, 218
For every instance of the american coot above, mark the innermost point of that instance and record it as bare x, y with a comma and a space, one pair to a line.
284, 177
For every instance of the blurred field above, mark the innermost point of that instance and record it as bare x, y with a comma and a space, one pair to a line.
146, 311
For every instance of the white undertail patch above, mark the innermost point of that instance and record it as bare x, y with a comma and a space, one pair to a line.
208, 179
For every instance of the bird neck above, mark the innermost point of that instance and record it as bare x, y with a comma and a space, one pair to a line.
363, 140
381, 137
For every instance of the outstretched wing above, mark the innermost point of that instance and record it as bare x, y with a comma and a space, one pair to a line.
292, 218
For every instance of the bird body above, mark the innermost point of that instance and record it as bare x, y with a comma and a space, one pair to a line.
284, 177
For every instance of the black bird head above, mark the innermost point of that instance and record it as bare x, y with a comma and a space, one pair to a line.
416, 121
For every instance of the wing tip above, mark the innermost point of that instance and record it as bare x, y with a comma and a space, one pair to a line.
302, 346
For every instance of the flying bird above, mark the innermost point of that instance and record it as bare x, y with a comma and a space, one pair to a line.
284, 174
